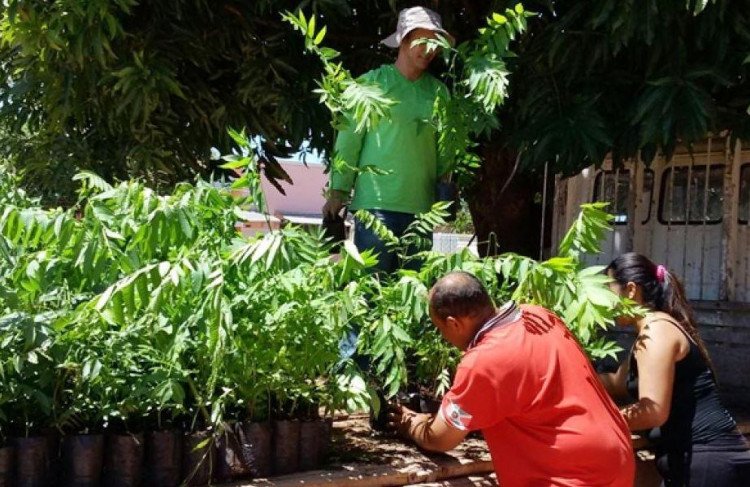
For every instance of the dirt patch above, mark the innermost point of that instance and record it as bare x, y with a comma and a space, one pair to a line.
353, 441
358, 457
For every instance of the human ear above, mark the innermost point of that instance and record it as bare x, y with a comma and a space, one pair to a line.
631, 289
452, 322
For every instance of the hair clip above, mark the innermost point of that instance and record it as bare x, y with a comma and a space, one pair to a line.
661, 273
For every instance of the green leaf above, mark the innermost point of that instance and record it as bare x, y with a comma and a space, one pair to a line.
600, 296
319, 38
104, 298
236, 164
498, 18
353, 252
311, 27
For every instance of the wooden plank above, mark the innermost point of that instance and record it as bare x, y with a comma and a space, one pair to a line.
710, 305
635, 202
558, 218
720, 319
364, 475
473, 481
741, 270
739, 320
729, 223
657, 246
714, 337
731, 367
578, 191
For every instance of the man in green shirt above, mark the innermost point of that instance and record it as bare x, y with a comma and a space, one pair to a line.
402, 147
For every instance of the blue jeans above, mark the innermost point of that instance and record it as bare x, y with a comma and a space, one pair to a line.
388, 262
396, 222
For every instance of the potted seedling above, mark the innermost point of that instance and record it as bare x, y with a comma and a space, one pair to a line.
7, 447
7, 463
286, 433
244, 443
134, 400
245, 439
310, 440
28, 397
257, 436
204, 363
84, 402
168, 418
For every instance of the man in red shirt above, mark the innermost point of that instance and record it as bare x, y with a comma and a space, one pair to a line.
527, 385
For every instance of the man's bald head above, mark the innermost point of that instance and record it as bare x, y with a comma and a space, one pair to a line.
460, 294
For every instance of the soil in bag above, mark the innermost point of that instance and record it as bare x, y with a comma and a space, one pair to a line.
83, 457
257, 448
34, 461
309, 445
123, 460
325, 429
198, 459
7, 465
286, 446
163, 464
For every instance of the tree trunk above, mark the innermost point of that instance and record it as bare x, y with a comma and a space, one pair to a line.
506, 220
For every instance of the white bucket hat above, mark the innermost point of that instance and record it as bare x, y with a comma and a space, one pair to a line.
416, 18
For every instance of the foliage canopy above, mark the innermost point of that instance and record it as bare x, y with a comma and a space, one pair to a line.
146, 88
136, 307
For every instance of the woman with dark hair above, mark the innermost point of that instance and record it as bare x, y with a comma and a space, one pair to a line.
670, 377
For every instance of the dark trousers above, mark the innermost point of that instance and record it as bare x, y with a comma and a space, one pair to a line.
396, 222
723, 465
388, 262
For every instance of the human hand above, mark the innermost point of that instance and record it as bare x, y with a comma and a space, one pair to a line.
402, 420
334, 203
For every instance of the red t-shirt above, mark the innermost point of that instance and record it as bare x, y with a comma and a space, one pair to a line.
546, 418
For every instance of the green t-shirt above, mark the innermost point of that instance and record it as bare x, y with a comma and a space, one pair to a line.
403, 144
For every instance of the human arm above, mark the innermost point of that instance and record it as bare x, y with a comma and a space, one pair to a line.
615, 382
658, 348
343, 168
474, 402
345, 162
346, 157
429, 431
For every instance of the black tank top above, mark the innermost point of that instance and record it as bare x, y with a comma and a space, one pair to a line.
696, 415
